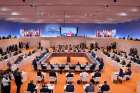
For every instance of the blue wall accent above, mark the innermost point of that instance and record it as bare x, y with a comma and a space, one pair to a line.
88, 29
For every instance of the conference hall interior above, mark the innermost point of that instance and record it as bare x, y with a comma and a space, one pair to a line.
69, 46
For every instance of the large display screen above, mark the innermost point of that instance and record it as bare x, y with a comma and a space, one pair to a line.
69, 31
106, 33
30, 32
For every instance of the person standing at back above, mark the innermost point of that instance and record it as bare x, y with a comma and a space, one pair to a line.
6, 84
18, 81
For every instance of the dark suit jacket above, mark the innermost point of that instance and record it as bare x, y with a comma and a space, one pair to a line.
89, 88
31, 87
69, 88
105, 88
18, 78
52, 73
69, 75
45, 90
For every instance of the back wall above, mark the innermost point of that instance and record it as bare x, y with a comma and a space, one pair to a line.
84, 29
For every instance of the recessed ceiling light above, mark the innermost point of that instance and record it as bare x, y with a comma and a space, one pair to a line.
4, 9
122, 14
15, 13
134, 10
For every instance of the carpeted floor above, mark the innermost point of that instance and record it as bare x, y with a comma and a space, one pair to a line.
63, 60
125, 87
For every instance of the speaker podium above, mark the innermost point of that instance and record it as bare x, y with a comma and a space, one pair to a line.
68, 59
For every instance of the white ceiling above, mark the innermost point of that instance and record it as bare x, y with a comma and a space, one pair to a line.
70, 11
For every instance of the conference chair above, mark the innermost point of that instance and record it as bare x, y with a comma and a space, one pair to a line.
24, 76
69, 79
77, 68
127, 77
39, 66
96, 79
84, 78
115, 77
87, 68
56, 68
121, 79
39, 78
99, 88
67, 68
48, 67
14, 67
97, 67
52, 79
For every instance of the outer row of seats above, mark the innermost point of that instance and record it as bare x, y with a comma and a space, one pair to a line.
69, 87
125, 72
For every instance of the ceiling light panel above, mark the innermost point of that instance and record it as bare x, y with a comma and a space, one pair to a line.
15, 13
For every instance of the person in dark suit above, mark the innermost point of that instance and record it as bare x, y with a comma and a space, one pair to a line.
52, 73
5, 84
93, 54
45, 89
31, 87
129, 65
78, 64
34, 63
128, 74
69, 87
101, 66
69, 74
121, 73
39, 73
97, 74
105, 87
89, 88
18, 81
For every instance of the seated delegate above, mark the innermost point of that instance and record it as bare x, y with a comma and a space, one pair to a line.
89, 88
69, 88
105, 87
